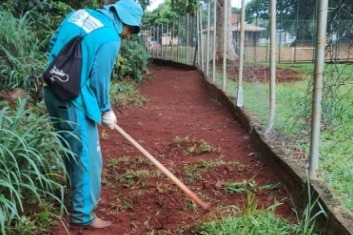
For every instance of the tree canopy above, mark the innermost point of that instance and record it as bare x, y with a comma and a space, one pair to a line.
299, 16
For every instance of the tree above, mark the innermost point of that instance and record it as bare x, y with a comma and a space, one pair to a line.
185, 6
191, 6
340, 20
299, 16
295, 16
230, 52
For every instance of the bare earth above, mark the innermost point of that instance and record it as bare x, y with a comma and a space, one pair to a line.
178, 121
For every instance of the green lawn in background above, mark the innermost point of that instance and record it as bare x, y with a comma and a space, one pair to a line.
293, 117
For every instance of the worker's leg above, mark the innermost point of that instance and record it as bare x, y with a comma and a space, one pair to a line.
84, 166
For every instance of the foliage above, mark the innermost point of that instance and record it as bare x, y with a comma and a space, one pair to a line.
43, 16
20, 7
293, 13
289, 12
125, 92
132, 60
21, 63
31, 169
310, 214
20, 57
182, 6
164, 14
78, 4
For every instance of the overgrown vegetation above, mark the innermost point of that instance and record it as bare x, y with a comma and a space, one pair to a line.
31, 169
254, 221
20, 55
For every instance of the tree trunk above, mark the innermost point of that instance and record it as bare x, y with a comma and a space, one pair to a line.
230, 52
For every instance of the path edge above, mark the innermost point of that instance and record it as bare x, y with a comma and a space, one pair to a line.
338, 220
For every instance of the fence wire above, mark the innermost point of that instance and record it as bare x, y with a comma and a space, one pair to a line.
202, 40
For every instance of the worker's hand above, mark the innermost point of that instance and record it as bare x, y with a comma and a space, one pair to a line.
109, 119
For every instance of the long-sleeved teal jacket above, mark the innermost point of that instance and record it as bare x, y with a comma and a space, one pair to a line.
100, 47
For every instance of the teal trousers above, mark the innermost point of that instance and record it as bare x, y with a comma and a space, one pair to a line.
84, 163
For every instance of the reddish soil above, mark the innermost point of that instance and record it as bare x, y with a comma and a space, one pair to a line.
199, 141
262, 74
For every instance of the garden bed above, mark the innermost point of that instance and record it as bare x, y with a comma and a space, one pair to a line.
190, 127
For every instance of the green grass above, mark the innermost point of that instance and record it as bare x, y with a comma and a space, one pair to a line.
20, 55
251, 220
194, 171
293, 119
254, 223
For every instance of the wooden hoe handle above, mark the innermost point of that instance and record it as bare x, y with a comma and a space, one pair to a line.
180, 184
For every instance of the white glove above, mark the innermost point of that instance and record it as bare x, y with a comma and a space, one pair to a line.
109, 119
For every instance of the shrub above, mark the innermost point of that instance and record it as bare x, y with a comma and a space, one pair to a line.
132, 60
20, 57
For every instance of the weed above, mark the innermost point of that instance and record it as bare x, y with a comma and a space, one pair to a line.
121, 204
194, 171
239, 187
192, 146
310, 214
178, 141
131, 178
200, 148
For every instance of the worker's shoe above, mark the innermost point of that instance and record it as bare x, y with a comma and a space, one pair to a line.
97, 223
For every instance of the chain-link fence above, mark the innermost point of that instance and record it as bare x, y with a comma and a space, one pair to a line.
210, 39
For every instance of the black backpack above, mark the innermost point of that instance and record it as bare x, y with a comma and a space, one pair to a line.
63, 76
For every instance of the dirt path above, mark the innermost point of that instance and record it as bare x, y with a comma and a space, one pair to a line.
197, 139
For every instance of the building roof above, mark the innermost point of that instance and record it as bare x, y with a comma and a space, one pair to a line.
248, 28
235, 20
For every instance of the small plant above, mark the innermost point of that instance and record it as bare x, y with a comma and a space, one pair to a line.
116, 162
182, 229
180, 140
239, 187
194, 171
310, 214
200, 148
125, 92
251, 203
121, 204
133, 161
132, 178
193, 147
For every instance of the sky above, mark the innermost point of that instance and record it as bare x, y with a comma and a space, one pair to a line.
154, 4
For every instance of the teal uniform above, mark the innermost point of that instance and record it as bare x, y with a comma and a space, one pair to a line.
76, 120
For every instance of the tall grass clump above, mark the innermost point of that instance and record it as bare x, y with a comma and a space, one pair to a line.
31, 170
20, 55
253, 221
310, 213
